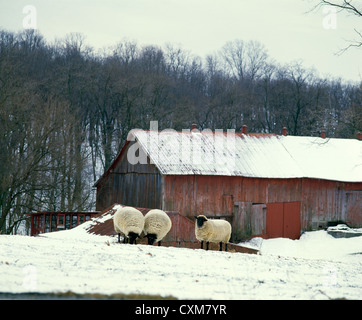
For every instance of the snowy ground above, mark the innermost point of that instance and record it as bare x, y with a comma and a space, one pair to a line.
317, 266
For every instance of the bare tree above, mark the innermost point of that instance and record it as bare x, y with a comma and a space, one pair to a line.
244, 59
177, 60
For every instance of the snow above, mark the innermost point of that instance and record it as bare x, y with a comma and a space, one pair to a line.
263, 156
317, 266
330, 159
316, 245
343, 231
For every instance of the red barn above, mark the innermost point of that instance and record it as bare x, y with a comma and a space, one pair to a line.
265, 184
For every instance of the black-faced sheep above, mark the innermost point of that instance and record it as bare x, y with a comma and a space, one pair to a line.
130, 222
157, 225
212, 230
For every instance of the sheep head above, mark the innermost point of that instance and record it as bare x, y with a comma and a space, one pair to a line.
132, 237
151, 238
200, 220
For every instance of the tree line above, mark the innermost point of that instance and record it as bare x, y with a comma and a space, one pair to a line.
66, 109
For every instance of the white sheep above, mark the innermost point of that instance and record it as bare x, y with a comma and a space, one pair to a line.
212, 230
130, 222
157, 225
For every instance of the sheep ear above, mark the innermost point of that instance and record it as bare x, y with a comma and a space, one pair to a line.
195, 217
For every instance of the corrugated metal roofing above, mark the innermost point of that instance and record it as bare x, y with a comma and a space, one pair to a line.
262, 156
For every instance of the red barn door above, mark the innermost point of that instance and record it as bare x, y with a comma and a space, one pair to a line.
274, 220
283, 220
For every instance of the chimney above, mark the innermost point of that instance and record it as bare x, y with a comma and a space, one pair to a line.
194, 127
245, 129
323, 133
359, 135
284, 132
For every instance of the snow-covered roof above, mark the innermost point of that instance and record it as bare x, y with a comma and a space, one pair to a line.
250, 155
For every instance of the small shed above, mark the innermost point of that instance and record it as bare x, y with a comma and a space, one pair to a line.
266, 185
47, 221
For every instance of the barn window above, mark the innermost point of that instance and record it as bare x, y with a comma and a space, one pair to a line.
81, 218
87, 217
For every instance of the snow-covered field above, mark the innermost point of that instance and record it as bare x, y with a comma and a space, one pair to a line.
317, 266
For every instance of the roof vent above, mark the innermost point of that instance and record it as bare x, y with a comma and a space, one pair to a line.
194, 127
359, 135
245, 129
284, 132
323, 134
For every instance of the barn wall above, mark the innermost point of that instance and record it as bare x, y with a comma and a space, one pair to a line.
324, 201
216, 195
321, 201
242, 201
104, 194
138, 185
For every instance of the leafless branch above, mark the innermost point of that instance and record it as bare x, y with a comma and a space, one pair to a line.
345, 5
354, 43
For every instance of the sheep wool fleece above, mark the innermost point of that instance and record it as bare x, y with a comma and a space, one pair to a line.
128, 219
214, 230
157, 222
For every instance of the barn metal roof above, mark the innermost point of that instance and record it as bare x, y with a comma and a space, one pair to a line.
251, 155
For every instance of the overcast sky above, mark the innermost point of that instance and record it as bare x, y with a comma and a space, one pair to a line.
203, 26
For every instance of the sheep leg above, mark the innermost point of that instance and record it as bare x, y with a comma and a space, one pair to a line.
159, 243
226, 246
119, 238
207, 245
220, 246
202, 244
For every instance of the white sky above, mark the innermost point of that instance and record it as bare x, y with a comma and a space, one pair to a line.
202, 27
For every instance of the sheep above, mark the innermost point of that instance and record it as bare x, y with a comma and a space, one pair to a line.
130, 222
212, 230
157, 225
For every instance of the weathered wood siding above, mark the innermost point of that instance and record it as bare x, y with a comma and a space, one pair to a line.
138, 185
216, 195
321, 200
324, 201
